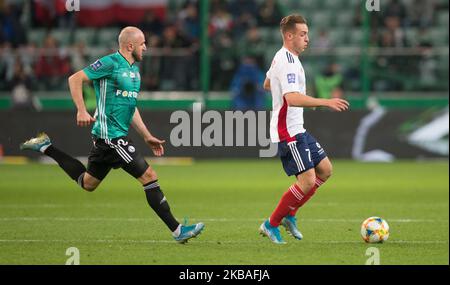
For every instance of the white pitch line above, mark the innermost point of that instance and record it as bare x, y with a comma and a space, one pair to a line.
215, 241
26, 206
68, 219
119, 205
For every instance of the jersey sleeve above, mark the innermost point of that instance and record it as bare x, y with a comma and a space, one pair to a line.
287, 74
269, 73
102, 67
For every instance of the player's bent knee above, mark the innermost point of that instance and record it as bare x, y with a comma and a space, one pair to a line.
327, 173
306, 183
89, 188
324, 171
307, 180
149, 175
90, 183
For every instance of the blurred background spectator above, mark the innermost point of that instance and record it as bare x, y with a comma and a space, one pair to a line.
408, 42
329, 84
223, 60
52, 66
269, 12
246, 87
253, 45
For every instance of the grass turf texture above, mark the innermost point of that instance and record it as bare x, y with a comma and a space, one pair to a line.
43, 212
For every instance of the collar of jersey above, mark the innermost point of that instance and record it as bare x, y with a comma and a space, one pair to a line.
289, 52
124, 59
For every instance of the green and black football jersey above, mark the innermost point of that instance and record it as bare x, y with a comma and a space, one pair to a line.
117, 85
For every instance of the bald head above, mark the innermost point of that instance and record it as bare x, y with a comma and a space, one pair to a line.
129, 35
132, 43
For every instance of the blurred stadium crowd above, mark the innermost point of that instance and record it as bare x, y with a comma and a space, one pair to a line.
39, 48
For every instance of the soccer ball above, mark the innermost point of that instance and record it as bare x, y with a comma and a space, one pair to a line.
374, 230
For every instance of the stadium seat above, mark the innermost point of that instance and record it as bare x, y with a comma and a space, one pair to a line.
353, 3
439, 36
267, 34
411, 36
62, 36
356, 37
442, 19
84, 35
345, 18
37, 36
313, 33
338, 37
336, 5
441, 3
174, 5
108, 37
443, 69
270, 53
322, 19
312, 64
344, 63
304, 4
285, 3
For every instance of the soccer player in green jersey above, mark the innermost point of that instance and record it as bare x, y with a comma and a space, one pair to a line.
117, 83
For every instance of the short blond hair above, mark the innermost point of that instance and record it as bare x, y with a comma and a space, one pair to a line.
288, 23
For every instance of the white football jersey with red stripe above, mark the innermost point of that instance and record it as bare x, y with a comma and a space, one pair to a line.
286, 75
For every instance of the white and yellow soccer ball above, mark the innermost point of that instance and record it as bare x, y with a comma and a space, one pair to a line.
375, 230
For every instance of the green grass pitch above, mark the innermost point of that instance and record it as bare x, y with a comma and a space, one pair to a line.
43, 212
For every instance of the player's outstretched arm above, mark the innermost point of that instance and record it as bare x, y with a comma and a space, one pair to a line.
76, 91
297, 99
154, 143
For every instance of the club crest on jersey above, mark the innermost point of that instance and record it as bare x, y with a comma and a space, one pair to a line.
291, 77
96, 65
131, 149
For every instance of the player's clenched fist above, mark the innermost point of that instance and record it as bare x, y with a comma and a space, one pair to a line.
84, 119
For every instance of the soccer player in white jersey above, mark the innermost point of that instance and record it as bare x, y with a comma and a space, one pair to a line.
300, 153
